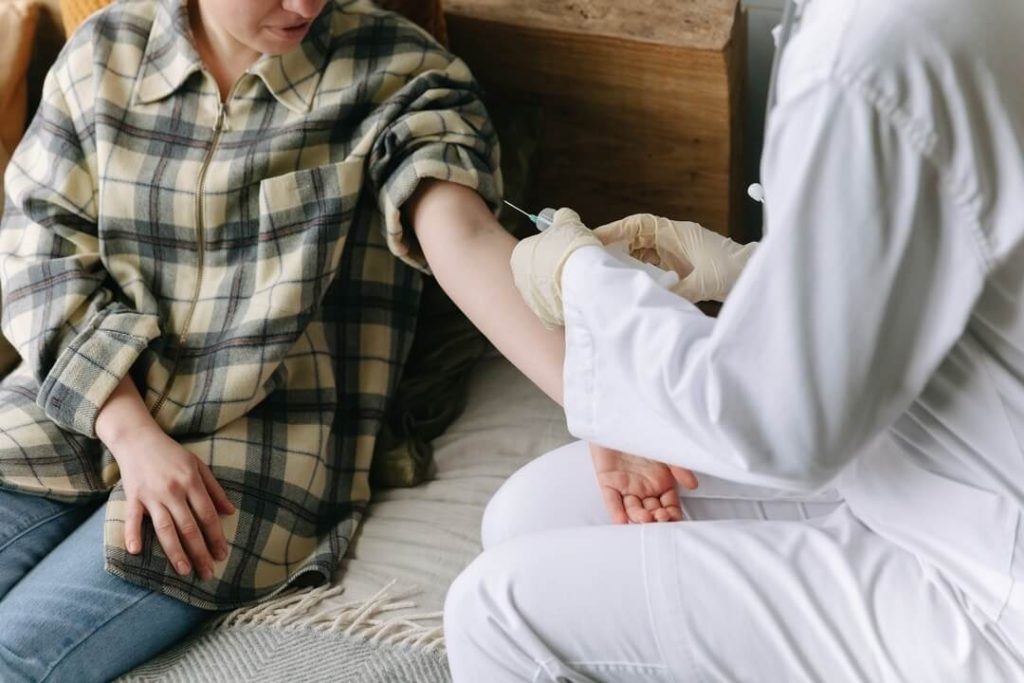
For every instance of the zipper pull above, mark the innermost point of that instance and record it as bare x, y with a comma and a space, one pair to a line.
221, 117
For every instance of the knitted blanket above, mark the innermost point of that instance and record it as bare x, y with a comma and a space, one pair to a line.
271, 655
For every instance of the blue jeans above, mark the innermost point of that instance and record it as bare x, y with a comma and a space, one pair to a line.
62, 617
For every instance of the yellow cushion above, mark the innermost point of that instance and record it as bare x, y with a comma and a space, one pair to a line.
4, 159
18, 20
426, 13
74, 12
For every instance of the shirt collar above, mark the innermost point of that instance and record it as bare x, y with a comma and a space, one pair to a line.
171, 58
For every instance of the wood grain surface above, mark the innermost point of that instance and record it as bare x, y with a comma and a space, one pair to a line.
640, 101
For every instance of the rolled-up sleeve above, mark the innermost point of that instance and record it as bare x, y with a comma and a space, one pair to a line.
59, 309
435, 126
866, 279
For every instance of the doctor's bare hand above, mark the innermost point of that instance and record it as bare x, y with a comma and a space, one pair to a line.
180, 495
639, 490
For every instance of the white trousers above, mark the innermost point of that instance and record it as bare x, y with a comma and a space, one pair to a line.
754, 586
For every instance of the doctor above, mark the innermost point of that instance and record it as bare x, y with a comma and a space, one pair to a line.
855, 415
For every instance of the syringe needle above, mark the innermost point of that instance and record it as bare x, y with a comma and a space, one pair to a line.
528, 215
543, 221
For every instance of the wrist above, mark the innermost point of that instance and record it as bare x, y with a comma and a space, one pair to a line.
124, 417
116, 433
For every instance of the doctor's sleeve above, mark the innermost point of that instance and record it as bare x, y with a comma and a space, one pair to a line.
59, 310
866, 278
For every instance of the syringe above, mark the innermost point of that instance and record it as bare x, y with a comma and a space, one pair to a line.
543, 221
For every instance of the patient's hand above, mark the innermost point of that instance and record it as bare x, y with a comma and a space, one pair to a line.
639, 490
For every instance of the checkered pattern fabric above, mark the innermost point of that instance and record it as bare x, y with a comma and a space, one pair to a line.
238, 260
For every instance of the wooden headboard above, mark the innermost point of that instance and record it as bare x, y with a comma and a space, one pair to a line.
640, 101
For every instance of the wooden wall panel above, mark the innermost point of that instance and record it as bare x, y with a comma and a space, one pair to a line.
640, 101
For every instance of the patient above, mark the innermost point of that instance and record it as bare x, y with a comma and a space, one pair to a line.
210, 259
207, 276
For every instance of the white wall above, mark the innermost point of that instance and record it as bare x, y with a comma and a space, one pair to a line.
762, 16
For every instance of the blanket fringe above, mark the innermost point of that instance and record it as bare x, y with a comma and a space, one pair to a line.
371, 619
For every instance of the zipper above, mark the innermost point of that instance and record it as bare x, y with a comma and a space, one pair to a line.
200, 253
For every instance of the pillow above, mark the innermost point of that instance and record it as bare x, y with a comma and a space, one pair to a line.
426, 13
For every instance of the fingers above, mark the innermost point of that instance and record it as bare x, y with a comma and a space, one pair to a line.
167, 534
191, 538
638, 229
676, 246
635, 510
684, 477
566, 216
653, 509
220, 498
613, 503
648, 510
656, 509
209, 521
133, 526
187, 525
613, 232
670, 503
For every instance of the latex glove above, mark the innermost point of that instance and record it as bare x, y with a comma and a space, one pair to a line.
537, 264
707, 263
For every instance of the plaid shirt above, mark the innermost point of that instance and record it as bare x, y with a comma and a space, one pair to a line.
238, 261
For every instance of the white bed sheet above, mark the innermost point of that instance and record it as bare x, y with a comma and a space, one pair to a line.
421, 538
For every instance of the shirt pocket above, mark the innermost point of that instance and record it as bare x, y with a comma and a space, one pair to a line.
304, 222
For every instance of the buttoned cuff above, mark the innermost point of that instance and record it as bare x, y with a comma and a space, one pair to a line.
93, 364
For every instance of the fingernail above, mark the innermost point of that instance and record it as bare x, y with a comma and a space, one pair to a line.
222, 552
183, 567
206, 573
133, 547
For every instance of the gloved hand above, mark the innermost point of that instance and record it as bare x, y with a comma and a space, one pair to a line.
707, 263
537, 264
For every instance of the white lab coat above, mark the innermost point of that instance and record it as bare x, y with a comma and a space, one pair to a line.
876, 340
875, 344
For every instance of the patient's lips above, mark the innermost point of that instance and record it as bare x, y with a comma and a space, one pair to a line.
291, 32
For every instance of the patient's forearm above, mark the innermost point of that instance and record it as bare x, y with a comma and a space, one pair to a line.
469, 253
